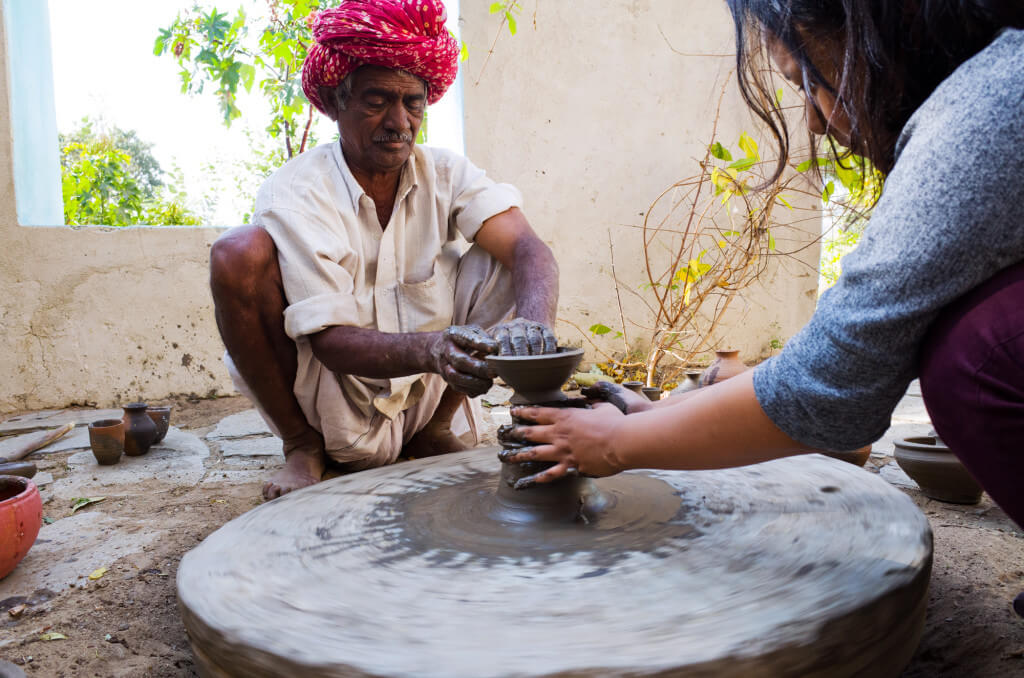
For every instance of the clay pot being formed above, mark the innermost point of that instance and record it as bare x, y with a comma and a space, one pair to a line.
106, 437
139, 430
161, 416
21, 514
652, 393
727, 365
691, 382
937, 470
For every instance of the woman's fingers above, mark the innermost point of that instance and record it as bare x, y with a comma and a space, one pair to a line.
539, 415
559, 470
531, 453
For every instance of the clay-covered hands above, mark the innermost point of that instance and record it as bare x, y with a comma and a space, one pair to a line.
578, 441
457, 356
627, 401
520, 336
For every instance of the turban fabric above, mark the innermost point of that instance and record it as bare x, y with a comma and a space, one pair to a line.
407, 35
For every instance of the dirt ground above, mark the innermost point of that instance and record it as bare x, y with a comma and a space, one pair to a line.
127, 624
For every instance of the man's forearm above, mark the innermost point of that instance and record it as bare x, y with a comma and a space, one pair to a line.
535, 281
376, 355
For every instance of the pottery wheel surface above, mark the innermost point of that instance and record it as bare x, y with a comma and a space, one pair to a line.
805, 566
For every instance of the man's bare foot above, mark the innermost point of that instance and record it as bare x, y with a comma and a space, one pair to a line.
304, 464
434, 439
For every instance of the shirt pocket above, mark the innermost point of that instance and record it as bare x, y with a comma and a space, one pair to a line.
427, 305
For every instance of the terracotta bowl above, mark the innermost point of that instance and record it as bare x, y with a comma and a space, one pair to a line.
21, 514
857, 457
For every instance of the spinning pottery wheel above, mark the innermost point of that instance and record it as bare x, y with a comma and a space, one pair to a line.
805, 566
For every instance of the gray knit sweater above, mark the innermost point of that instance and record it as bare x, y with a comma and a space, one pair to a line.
951, 216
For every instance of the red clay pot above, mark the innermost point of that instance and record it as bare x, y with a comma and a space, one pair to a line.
857, 457
21, 514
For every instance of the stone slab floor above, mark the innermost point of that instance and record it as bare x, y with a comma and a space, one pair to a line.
95, 596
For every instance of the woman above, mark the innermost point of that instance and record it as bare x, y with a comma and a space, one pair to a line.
932, 92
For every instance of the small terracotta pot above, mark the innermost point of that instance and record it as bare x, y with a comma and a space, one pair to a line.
857, 457
634, 386
652, 393
161, 416
139, 430
937, 470
106, 437
691, 382
21, 515
727, 365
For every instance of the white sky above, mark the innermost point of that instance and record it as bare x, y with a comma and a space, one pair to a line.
104, 66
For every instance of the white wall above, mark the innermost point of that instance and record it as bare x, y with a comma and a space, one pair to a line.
590, 112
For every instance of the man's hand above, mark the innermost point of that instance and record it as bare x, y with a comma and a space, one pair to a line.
456, 354
524, 337
627, 401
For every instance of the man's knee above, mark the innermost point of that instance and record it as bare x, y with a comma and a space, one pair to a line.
242, 260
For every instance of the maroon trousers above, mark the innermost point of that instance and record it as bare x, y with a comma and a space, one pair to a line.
972, 380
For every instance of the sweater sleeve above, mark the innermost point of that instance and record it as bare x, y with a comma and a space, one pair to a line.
950, 218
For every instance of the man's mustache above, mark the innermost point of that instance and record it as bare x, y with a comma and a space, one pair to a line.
405, 137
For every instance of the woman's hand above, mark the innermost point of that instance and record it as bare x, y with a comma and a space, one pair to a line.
578, 441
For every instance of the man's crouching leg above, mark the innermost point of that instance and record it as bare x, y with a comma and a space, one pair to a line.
248, 296
436, 437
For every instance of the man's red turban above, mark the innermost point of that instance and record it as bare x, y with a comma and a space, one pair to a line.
407, 35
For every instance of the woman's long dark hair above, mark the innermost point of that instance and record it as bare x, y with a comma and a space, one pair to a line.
888, 56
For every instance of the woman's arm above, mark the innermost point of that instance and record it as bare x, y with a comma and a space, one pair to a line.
718, 427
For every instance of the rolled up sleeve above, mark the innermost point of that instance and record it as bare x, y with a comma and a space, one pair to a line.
476, 198
317, 283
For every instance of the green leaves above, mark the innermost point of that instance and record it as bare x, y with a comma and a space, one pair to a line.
826, 194
509, 9
229, 55
749, 146
597, 329
721, 152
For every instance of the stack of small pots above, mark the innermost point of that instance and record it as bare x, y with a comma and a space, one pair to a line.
140, 428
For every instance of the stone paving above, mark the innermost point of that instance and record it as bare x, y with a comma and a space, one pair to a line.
238, 450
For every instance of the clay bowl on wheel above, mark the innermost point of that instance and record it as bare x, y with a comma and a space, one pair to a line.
536, 378
21, 514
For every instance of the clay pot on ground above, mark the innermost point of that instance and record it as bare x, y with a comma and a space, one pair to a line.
727, 365
106, 438
161, 416
634, 386
21, 514
652, 393
937, 470
857, 457
139, 430
690, 382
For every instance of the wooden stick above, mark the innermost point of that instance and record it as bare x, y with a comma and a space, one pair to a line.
42, 440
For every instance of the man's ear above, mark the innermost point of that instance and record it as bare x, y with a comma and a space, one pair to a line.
328, 95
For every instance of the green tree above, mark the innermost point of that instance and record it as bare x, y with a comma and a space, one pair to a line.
109, 177
249, 49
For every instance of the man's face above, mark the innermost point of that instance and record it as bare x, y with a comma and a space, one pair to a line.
383, 116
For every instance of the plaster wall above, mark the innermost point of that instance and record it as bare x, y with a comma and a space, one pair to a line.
98, 315
592, 112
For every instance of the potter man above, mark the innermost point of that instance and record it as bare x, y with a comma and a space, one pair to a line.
350, 313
